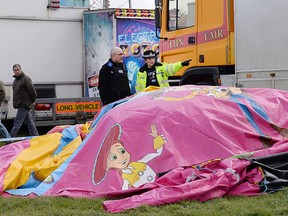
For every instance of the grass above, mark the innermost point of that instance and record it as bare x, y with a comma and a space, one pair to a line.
265, 205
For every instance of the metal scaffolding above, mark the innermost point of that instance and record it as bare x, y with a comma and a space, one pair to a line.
99, 4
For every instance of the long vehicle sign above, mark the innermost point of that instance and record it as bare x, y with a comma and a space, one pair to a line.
73, 107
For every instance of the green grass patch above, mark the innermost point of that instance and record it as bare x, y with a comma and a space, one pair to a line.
264, 205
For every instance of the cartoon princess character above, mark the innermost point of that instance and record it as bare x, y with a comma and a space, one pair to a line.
113, 155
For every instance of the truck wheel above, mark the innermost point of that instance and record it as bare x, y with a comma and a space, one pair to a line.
203, 83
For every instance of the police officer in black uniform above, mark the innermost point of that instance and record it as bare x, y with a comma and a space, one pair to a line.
113, 79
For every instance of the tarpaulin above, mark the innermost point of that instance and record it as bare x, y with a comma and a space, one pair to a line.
150, 144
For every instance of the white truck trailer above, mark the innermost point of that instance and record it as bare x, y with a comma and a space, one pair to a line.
46, 38
261, 43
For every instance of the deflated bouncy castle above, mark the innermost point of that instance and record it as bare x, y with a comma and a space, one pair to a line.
158, 147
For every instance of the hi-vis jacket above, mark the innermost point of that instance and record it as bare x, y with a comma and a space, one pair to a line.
163, 71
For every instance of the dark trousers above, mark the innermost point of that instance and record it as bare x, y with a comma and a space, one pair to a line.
24, 116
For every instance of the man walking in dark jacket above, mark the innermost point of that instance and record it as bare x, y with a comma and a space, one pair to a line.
24, 96
113, 80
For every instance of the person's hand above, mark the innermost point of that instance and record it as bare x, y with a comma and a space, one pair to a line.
186, 63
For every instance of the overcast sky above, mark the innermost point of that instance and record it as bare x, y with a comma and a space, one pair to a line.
135, 4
